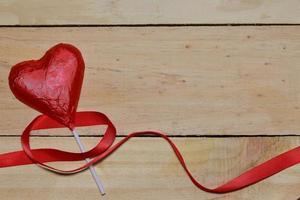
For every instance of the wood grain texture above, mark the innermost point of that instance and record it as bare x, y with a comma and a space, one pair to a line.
146, 168
182, 80
57, 12
186, 81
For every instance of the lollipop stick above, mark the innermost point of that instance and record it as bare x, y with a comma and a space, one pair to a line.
91, 168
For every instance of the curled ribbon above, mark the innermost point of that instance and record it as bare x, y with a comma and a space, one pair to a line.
105, 147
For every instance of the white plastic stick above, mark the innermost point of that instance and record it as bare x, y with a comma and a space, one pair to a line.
91, 168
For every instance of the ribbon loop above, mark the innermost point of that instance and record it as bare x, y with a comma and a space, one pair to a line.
105, 147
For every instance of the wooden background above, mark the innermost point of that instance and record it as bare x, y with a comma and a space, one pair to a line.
220, 77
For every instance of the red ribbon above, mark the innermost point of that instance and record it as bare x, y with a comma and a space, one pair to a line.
105, 147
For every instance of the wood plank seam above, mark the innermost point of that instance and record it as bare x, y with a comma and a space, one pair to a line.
143, 25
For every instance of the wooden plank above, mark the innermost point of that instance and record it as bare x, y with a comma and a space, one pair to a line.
182, 80
55, 12
146, 171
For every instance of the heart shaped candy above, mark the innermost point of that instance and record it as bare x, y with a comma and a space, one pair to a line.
52, 84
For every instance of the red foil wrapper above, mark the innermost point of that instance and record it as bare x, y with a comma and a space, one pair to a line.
52, 84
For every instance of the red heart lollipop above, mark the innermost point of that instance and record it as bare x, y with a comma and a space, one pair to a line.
52, 84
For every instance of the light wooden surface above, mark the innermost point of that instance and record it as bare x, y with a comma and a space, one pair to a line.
32, 12
142, 171
202, 80
181, 80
